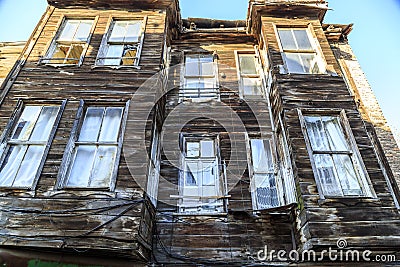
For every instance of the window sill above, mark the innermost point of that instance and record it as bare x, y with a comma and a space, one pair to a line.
348, 201
116, 67
59, 65
217, 214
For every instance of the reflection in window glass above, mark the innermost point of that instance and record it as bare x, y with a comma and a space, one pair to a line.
298, 52
122, 44
70, 44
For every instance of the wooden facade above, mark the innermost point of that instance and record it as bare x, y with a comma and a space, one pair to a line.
143, 217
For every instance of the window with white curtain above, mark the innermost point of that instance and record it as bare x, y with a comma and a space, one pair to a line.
25, 148
337, 165
70, 43
96, 148
122, 44
263, 180
299, 51
201, 185
199, 77
249, 77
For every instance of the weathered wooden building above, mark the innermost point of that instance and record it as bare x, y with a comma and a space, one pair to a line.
133, 137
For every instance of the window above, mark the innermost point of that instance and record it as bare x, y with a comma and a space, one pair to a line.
249, 76
199, 77
299, 52
154, 167
264, 189
122, 44
271, 181
70, 43
95, 148
26, 146
337, 166
201, 184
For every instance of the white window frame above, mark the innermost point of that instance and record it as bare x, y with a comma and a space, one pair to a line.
74, 143
352, 152
315, 50
197, 93
48, 58
154, 166
7, 141
105, 44
255, 76
196, 203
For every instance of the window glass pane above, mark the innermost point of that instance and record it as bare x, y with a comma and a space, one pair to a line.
69, 30
83, 31
247, 64
11, 164
129, 55
302, 39
91, 124
208, 172
206, 65
309, 62
103, 166
133, 31
192, 149
118, 32
29, 166
45, 123
81, 166
251, 86
154, 146
261, 156
266, 192
192, 174
26, 123
75, 54
316, 133
60, 53
114, 54
111, 125
207, 148
334, 134
327, 175
287, 39
294, 63
347, 175
192, 65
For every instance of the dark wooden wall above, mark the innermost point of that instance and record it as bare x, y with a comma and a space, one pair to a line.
322, 222
236, 237
68, 219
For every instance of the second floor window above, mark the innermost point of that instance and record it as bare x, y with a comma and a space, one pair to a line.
122, 44
249, 77
70, 43
95, 149
337, 166
25, 147
199, 77
299, 51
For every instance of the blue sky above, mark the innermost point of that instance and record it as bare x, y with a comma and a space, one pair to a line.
375, 38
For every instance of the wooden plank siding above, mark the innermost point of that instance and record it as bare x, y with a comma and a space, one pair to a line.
234, 236
111, 223
322, 222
